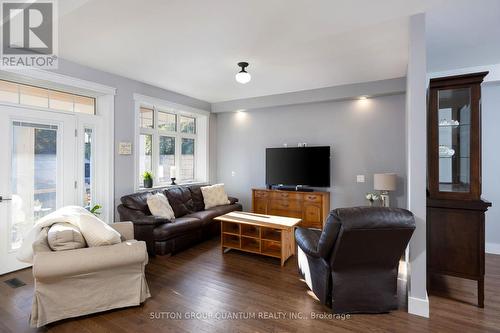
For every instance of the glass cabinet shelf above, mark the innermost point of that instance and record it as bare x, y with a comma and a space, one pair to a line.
454, 126
454, 114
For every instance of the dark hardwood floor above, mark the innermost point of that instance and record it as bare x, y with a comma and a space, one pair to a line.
204, 281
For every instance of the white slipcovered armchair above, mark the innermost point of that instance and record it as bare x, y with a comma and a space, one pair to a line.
87, 280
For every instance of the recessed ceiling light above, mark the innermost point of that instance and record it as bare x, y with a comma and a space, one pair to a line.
363, 97
242, 76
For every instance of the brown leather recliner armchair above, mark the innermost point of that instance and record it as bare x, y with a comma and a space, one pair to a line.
352, 265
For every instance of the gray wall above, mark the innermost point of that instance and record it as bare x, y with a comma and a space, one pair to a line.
366, 137
491, 163
124, 114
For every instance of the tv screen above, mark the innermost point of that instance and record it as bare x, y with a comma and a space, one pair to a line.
308, 166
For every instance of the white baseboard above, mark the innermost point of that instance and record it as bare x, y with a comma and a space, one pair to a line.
493, 248
419, 306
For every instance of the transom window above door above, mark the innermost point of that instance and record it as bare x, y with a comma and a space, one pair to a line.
172, 143
23, 94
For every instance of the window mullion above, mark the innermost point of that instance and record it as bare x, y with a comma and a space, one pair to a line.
156, 147
177, 155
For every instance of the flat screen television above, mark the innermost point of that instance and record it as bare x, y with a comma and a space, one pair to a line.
306, 166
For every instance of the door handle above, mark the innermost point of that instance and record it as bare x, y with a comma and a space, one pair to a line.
4, 199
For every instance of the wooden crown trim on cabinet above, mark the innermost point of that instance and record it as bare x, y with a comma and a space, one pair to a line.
466, 79
311, 207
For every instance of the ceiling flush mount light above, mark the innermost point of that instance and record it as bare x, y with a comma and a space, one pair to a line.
242, 76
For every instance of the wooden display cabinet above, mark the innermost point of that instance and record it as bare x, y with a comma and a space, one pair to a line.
455, 209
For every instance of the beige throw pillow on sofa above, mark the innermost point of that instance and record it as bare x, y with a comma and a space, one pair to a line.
159, 206
214, 195
65, 236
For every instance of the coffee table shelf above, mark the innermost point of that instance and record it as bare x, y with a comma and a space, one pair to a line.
268, 235
250, 231
250, 243
231, 240
271, 234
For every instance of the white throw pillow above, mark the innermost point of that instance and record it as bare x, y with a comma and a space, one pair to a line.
65, 236
97, 232
214, 195
159, 206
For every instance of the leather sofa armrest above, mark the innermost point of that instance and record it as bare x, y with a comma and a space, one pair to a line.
150, 220
144, 232
138, 217
307, 240
232, 200
143, 225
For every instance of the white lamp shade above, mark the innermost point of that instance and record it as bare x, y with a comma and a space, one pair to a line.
243, 77
384, 181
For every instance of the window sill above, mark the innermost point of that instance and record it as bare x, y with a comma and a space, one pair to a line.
142, 189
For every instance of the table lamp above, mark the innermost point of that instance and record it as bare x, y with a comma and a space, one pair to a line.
384, 182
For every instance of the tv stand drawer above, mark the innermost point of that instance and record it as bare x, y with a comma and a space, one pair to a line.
312, 198
286, 195
294, 205
261, 194
311, 207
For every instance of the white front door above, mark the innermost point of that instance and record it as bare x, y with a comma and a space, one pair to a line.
37, 173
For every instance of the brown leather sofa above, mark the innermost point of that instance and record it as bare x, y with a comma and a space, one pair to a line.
352, 265
192, 222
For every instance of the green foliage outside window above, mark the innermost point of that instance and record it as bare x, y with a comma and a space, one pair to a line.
167, 145
187, 147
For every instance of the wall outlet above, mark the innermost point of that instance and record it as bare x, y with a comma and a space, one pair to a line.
360, 178
233, 173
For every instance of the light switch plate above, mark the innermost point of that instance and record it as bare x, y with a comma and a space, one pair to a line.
360, 178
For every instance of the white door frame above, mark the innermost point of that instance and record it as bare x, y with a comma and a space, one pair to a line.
66, 192
103, 122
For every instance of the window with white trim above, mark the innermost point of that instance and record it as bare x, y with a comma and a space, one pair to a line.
29, 95
172, 143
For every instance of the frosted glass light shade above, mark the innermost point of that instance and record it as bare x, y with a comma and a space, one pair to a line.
243, 77
384, 181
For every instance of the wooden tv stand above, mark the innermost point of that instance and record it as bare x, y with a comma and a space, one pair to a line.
311, 207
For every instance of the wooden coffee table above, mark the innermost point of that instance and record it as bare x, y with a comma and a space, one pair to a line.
268, 235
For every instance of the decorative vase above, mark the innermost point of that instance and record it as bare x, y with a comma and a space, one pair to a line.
148, 183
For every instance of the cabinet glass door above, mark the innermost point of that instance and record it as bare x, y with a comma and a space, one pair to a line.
454, 121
